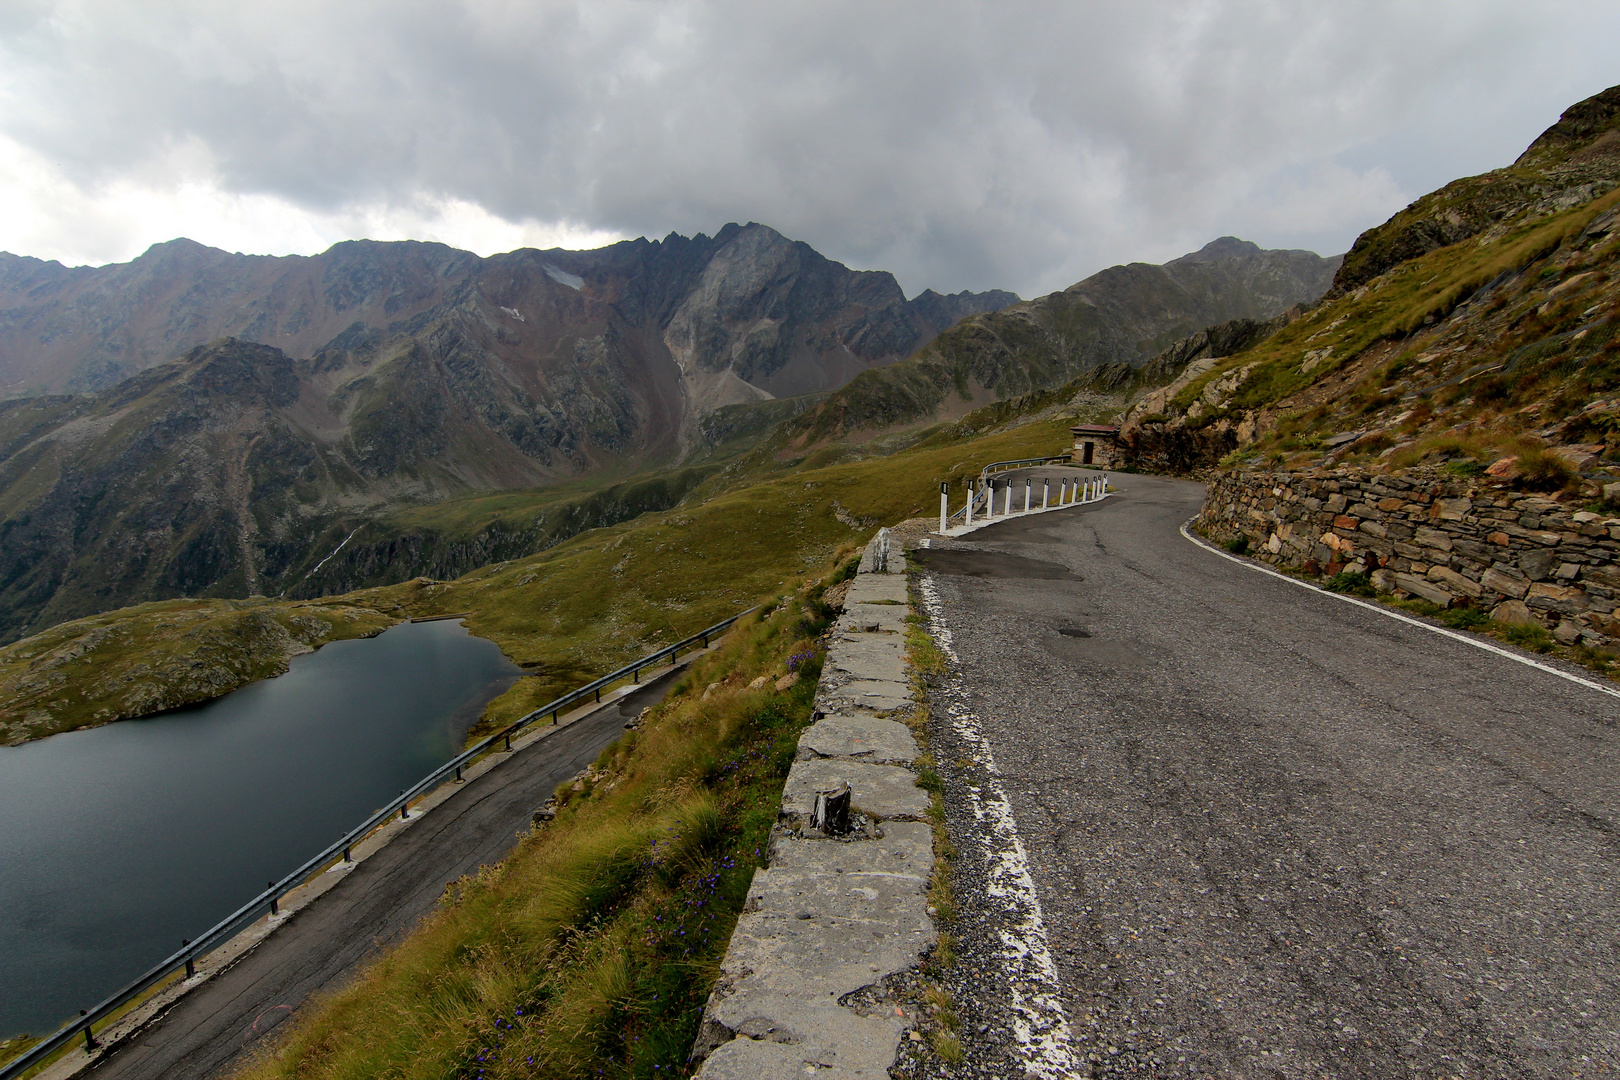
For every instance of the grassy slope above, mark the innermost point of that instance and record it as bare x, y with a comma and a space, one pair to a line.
613, 594
591, 949
602, 598
1395, 306
161, 655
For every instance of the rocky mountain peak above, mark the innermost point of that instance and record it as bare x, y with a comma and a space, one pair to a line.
1225, 247
1581, 122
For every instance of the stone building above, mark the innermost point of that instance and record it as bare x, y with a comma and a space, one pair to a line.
1094, 445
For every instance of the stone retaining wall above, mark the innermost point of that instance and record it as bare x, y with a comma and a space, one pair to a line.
1453, 542
832, 917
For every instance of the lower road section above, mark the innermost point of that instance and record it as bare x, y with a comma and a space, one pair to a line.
212, 1030
1268, 833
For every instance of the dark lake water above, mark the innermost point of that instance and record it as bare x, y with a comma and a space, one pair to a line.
117, 842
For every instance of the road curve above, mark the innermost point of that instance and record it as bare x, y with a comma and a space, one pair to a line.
211, 1030
1271, 834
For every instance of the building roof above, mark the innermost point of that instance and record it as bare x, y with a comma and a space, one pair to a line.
1094, 429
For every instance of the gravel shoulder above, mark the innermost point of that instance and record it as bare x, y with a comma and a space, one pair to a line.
1271, 834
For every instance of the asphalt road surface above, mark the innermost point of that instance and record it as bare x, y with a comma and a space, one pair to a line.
1272, 834
213, 1029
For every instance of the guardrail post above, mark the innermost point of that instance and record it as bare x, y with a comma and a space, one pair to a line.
348, 853
458, 774
635, 675
191, 961
90, 1044
275, 908
404, 807
509, 740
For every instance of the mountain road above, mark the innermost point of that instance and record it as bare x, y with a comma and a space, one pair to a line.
1271, 833
212, 1030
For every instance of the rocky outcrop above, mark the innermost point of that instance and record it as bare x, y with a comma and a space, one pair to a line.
1520, 557
1572, 162
1154, 437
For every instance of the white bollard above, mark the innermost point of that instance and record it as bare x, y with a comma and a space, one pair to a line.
1026, 494
1046, 490
944, 507
970, 503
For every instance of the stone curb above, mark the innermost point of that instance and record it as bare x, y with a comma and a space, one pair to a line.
832, 916
226, 955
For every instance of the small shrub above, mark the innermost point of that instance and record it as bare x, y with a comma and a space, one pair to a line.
1526, 636
1540, 470
1240, 546
948, 1046
1465, 618
1351, 582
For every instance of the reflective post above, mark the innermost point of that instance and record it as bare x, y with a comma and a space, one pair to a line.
944, 506
1006, 503
970, 503
1028, 486
1046, 491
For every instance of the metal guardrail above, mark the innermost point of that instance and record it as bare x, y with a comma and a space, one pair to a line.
1003, 466
228, 927
989, 470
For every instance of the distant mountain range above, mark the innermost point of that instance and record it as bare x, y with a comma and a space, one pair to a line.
1121, 317
200, 423
190, 421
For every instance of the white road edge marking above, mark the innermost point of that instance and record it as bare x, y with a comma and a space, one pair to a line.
1040, 1025
1476, 642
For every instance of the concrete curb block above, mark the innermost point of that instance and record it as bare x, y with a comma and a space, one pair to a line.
245, 941
833, 916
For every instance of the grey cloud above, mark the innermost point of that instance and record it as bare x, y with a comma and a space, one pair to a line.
960, 145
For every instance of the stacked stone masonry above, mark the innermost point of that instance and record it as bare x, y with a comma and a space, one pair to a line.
1453, 542
832, 917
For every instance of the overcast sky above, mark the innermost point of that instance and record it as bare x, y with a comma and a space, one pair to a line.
959, 145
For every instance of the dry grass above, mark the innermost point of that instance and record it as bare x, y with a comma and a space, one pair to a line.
590, 950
